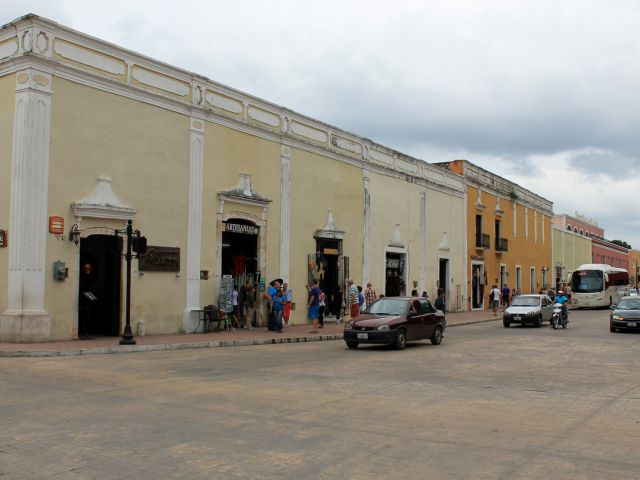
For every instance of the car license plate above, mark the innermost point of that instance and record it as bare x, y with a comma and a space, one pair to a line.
363, 336
517, 319
631, 324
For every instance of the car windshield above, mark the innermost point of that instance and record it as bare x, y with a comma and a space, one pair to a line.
525, 302
587, 281
388, 306
630, 303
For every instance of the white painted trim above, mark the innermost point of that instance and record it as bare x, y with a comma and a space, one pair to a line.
515, 220
194, 226
423, 241
29, 193
526, 223
481, 263
465, 246
285, 211
366, 230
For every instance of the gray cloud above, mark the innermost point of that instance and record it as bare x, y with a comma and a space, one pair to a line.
524, 87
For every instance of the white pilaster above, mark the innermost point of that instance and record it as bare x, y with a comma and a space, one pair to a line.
423, 240
26, 319
285, 211
194, 226
366, 227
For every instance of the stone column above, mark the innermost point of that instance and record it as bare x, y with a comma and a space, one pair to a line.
285, 211
194, 229
423, 241
366, 231
26, 319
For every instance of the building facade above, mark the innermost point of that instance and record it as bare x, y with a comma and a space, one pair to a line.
570, 250
227, 189
508, 235
634, 266
602, 251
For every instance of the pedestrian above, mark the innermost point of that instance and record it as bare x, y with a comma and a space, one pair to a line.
269, 296
288, 294
249, 306
414, 293
336, 303
494, 295
505, 295
322, 309
352, 297
360, 299
425, 294
440, 303
370, 295
313, 304
236, 308
278, 309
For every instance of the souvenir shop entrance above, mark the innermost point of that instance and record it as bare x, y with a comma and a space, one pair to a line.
240, 251
395, 274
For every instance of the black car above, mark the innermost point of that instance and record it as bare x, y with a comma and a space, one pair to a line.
625, 315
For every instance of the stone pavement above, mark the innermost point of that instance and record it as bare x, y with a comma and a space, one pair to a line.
238, 337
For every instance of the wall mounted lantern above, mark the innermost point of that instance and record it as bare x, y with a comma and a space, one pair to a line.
74, 234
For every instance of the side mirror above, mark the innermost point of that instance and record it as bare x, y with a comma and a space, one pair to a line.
612, 307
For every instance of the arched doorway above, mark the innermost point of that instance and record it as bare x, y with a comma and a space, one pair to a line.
100, 285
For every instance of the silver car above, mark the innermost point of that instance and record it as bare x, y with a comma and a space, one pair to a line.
532, 309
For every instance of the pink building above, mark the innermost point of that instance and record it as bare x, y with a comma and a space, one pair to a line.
578, 224
609, 253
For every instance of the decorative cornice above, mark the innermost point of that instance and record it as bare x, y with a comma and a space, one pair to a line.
151, 81
103, 203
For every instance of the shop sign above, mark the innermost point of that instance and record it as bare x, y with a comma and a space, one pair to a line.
56, 224
4, 238
240, 228
160, 259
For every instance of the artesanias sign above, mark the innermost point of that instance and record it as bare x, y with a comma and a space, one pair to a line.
238, 228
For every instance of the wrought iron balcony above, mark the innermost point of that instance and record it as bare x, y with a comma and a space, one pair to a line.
483, 242
502, 245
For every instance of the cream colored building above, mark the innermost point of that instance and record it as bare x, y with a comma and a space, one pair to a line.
220, 183
570, 250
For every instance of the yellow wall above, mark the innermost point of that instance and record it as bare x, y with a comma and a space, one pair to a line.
7, 108
145, 151
524, 249
570, 251
394, 201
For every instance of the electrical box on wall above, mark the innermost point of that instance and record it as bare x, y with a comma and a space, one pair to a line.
60, 270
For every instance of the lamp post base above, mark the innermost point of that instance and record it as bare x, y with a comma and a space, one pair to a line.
127, 337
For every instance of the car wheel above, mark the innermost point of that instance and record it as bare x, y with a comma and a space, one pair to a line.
352, 345
612, 329
401, 339
506, 323
554, 322
436, 338
539, 322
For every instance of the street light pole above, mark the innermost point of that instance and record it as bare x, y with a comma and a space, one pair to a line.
127, 336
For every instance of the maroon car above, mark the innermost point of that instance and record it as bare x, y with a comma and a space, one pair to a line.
396, 321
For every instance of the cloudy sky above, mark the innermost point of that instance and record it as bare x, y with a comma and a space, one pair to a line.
544, 93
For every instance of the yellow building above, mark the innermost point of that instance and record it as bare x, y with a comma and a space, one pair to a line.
508, 235
570, 250
226, 187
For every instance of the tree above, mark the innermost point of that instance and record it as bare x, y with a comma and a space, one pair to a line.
621, 243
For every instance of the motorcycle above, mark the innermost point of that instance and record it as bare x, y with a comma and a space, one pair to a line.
560, 317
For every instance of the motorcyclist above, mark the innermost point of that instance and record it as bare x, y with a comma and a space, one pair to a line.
561, 298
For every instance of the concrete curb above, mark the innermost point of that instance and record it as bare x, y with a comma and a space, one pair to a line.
192, 345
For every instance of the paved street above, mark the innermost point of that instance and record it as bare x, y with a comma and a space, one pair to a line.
488, 403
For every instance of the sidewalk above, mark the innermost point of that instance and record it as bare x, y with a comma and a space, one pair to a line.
239, 337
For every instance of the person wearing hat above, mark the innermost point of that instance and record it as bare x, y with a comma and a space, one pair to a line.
352, 296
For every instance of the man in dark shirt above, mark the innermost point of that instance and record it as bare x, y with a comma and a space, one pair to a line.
314, 305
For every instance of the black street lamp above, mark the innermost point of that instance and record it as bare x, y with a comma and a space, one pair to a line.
137, 244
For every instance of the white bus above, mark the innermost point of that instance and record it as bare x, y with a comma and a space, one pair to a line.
595, 285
